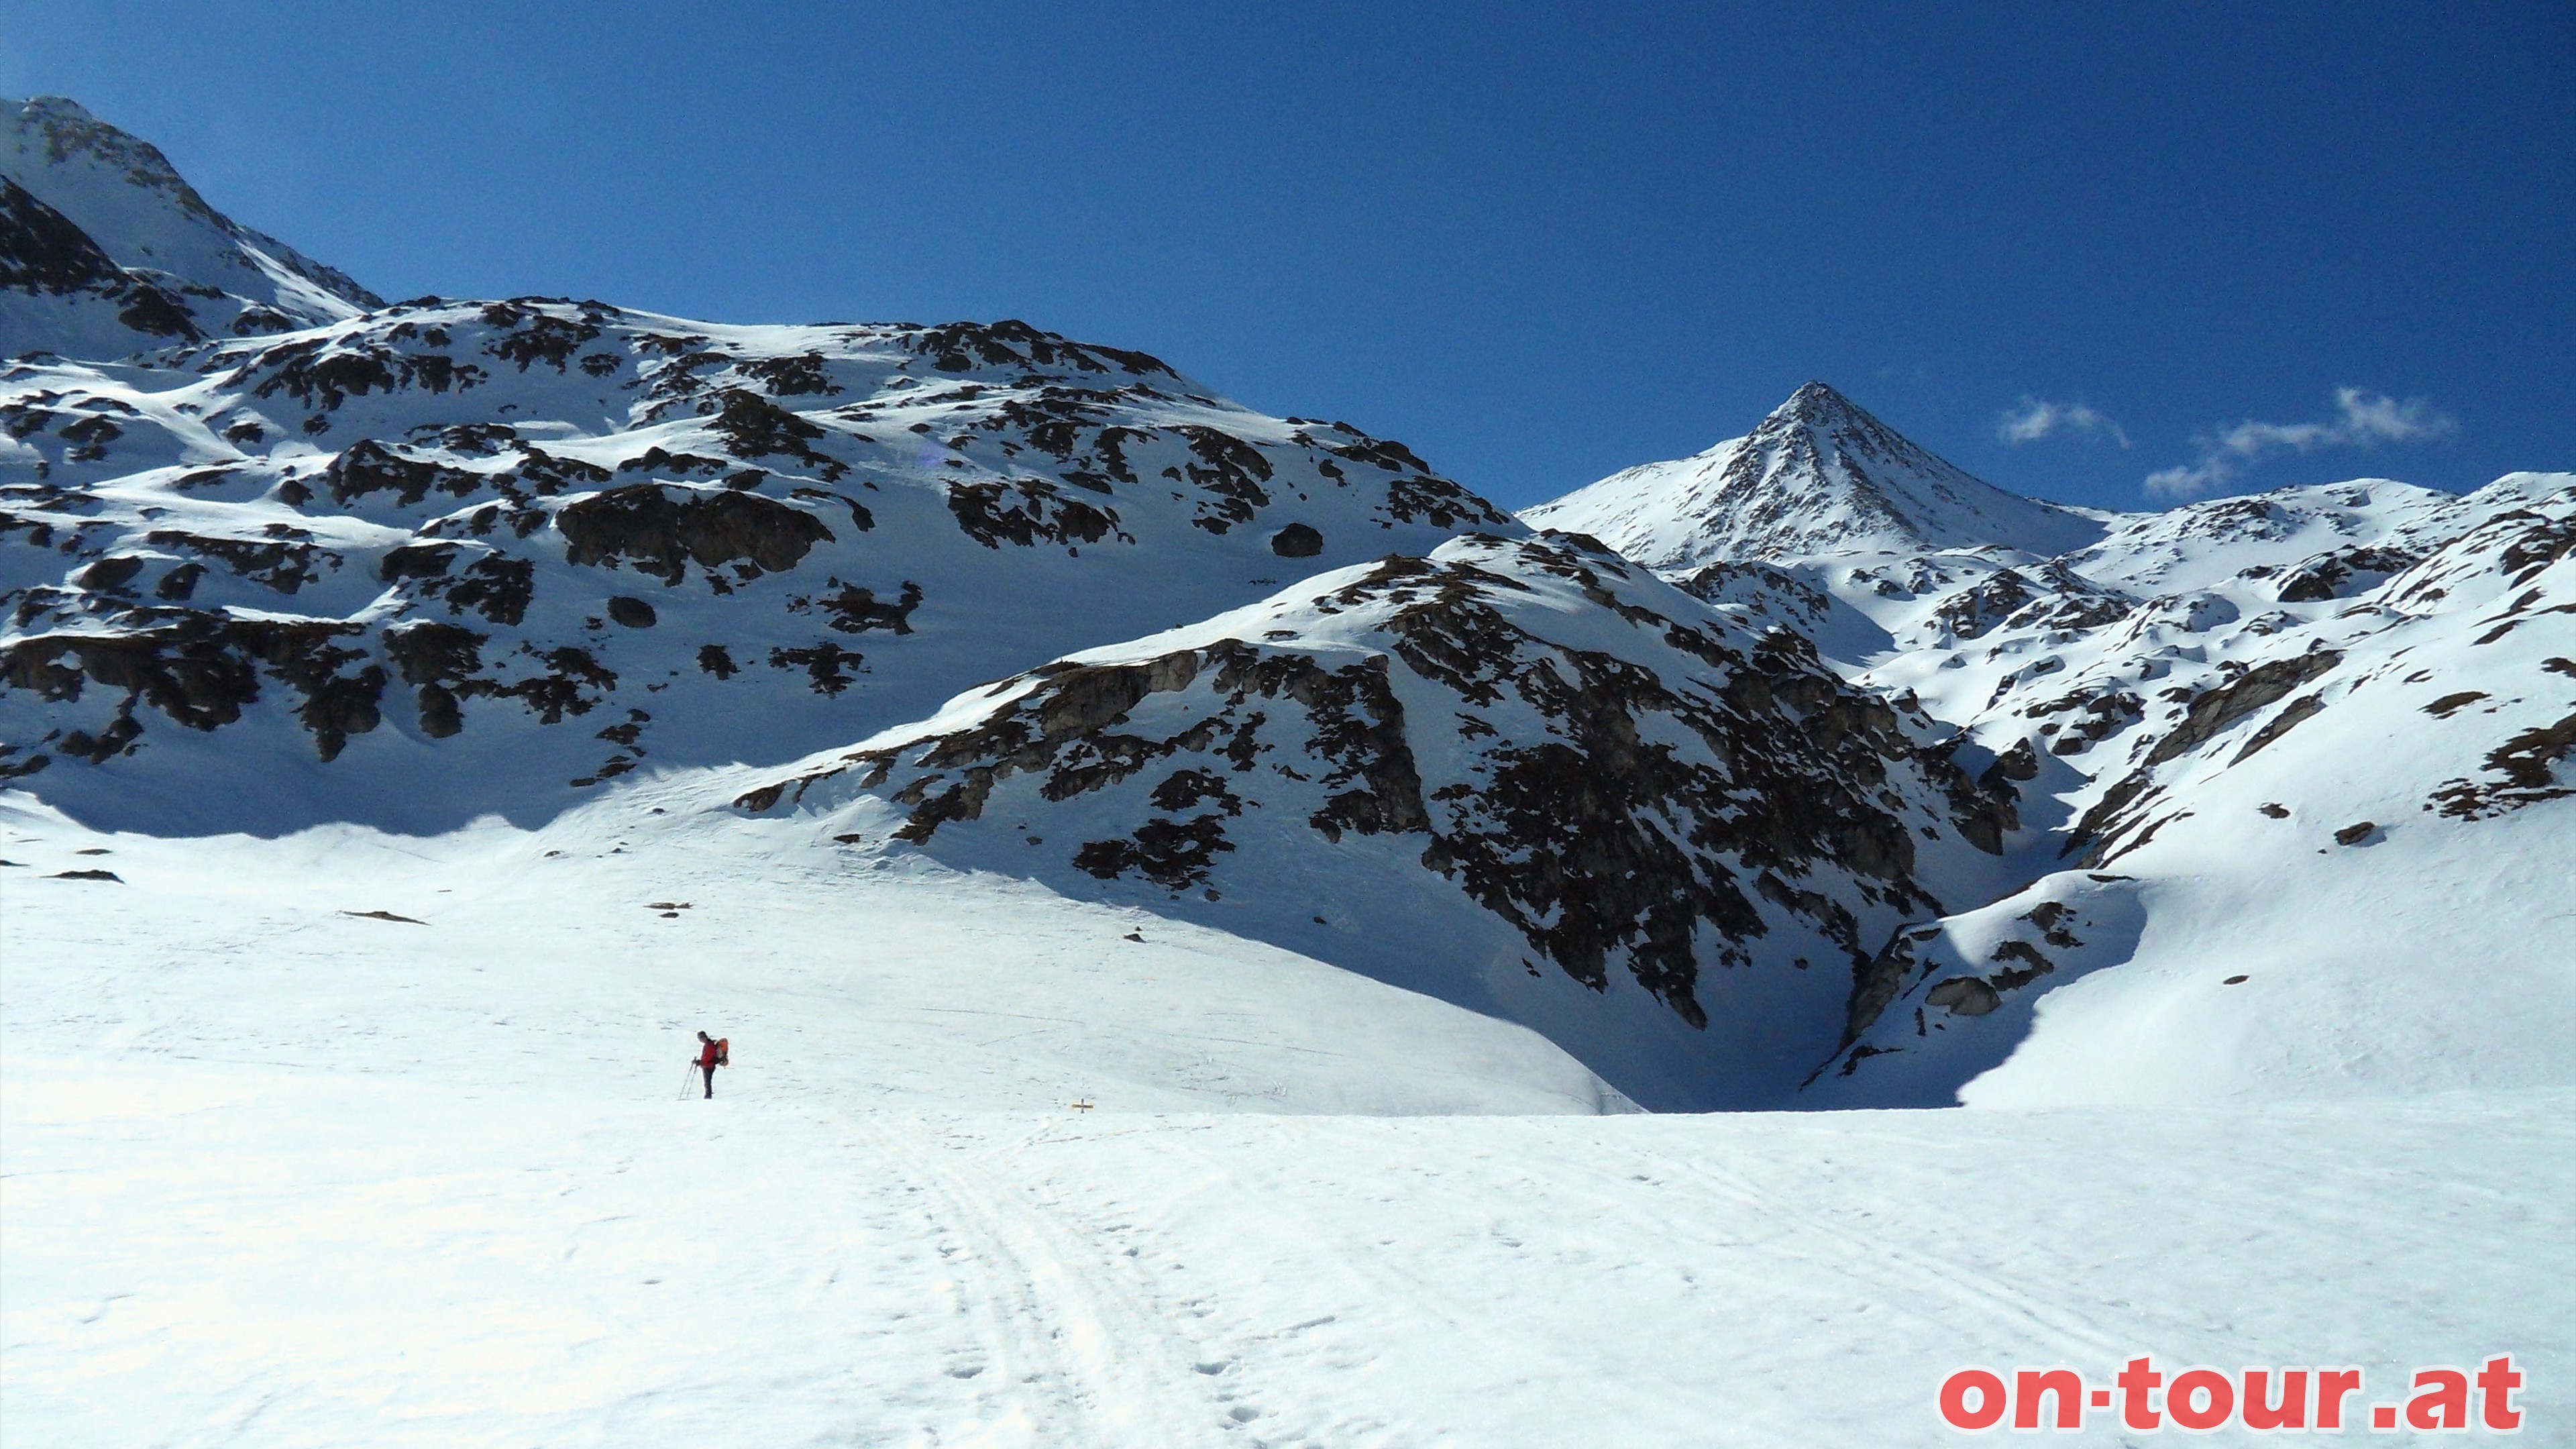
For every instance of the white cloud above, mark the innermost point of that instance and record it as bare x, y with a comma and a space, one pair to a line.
2035, 418
2362, 420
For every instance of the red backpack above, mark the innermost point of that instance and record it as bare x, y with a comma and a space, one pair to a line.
722, 1043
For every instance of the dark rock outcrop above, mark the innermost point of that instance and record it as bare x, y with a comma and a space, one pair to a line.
1297, 540
660, 530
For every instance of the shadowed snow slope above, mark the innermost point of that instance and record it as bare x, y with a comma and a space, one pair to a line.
1818, 477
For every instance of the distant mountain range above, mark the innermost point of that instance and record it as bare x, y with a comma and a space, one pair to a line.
1808, 771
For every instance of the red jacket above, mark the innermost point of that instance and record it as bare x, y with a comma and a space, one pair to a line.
707, 1055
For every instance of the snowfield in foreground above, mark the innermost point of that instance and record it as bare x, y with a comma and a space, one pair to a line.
227, 1253
277, 1174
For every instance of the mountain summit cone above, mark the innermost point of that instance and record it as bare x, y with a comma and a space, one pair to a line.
1819, 475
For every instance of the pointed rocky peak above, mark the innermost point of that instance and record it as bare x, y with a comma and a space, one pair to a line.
1819, 477
1816, 404
1820, 428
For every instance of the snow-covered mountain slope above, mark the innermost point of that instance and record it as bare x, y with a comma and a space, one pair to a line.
1055, 1115
2324, 541
59, 292
182, 270
1523, 775
281, 1173
2322, 832
2128, 692
450, 559
462, 557
2095, 680
1818, 478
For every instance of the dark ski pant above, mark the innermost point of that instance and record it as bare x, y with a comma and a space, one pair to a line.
710, 1069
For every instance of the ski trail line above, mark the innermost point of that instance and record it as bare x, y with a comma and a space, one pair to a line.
1079, 1351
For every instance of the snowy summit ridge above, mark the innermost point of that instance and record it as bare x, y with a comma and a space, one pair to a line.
1819, 476
112, 251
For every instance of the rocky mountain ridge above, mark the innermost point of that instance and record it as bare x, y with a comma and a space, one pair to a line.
2129, 679
524, 546
2354, 666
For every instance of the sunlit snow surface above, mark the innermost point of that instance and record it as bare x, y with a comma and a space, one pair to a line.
281, 1175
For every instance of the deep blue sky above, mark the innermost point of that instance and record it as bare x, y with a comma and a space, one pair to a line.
1538, 246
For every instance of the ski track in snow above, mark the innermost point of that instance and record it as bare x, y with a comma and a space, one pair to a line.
1079, 1359
245, 1256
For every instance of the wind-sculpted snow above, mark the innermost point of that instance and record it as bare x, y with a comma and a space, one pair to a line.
483, 556
1525, 775
1819, 477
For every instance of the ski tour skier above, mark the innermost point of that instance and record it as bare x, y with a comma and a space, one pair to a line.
712, 1053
